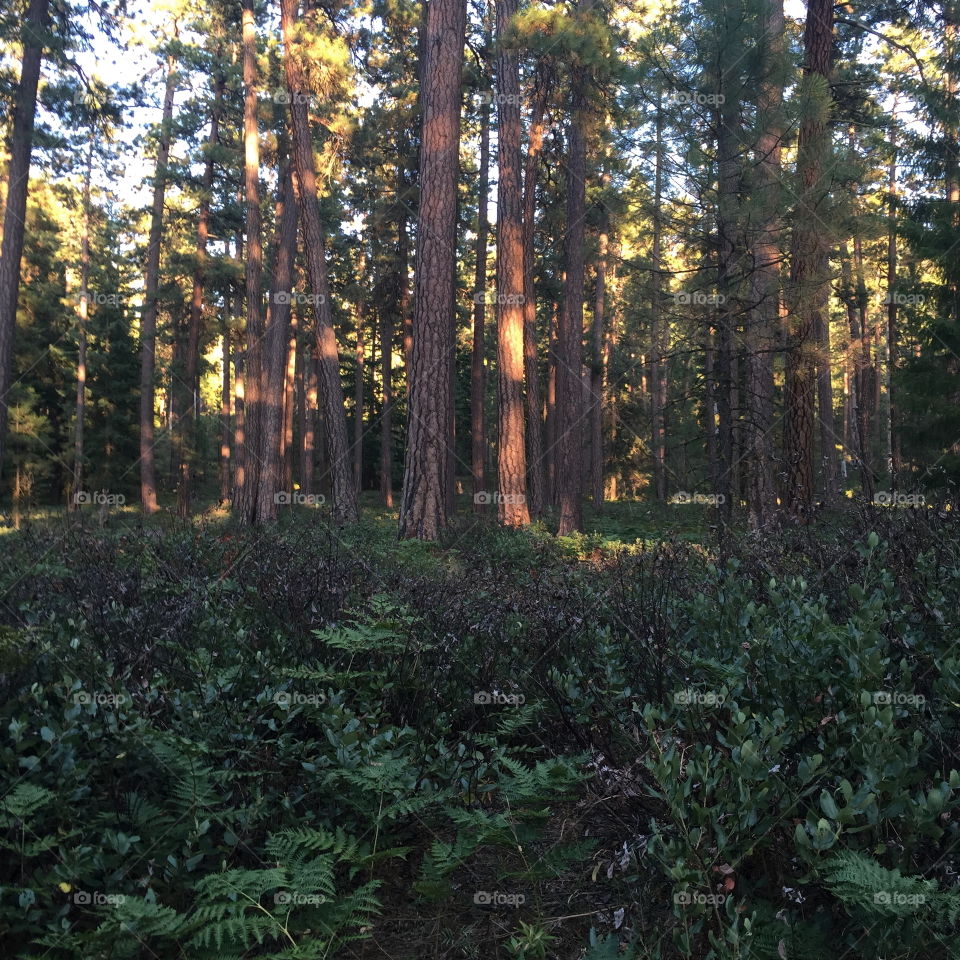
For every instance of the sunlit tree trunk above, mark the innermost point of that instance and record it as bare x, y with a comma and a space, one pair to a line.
425, 487
247, 480
596, 369
512, 508
345, 508
18, 176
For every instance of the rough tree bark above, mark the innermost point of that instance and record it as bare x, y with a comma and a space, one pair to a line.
18, 176
423, 508
762, 316
345, 508
809, 276
536, 455
570, 331
148, 321
478, 428
187, 424
511, 438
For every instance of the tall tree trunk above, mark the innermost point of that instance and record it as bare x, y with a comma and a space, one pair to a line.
859, 381
358, 398
512, 508
478, 429
187, 426
550, 417
289, 403
271, 480
248, 473
225, 428
809, 275
345, 508
762, 317
729, 148
82, 331
386, 418
14, 217
148, 322
423, 509
570, 333
596, 370
659, 331
308, 448
536, 465
893, 427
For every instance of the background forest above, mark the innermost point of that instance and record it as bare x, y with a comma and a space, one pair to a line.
479, 480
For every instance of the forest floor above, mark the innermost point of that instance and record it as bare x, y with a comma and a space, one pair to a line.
659, 739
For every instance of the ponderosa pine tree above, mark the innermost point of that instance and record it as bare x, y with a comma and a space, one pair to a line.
423, 512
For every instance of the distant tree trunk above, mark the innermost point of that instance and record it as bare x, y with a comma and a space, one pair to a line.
893, 427
551, 407
247, 479
308, 452
358, 400
536, 466
148, 322
425, 487
570, 333
345, 508
289, 404
762, 317
809, 275
225, 428
82, 332
860, 381
187, 425
730, 174
271, 479
596, 370
512, 508
18, 176
478, 430
658, 335
386, 419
